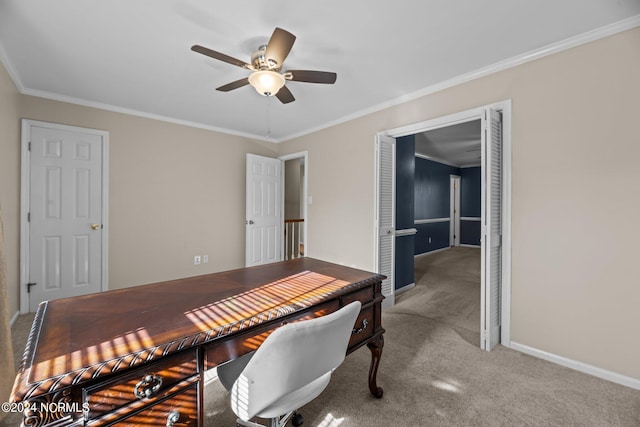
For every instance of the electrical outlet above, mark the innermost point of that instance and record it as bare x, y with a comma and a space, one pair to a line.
429, 239
196, 260
205, 259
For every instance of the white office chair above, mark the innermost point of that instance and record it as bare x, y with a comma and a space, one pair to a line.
290, 369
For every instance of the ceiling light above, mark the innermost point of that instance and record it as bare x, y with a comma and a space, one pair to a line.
266, 82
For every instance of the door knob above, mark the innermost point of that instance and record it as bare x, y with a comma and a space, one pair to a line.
95, 226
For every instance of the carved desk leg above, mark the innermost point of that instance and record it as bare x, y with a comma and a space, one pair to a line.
376, 352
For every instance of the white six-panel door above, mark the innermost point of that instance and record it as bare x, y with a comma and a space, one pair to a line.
65, 212
264, 217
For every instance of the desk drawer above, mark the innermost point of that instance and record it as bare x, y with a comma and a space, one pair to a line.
363, 295
143, 385
363, 328
180, 410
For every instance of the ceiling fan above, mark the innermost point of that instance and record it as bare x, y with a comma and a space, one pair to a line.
266, 64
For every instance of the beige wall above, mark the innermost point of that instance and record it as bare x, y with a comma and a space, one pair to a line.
10, 182
176, 192
575, 229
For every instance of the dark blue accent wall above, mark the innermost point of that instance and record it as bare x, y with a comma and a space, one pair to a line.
470, 233
438, 232
432, 200
470, 205
432, 187
405, 172
470, 187
403, 273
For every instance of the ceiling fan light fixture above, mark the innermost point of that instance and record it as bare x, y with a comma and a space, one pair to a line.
266, 82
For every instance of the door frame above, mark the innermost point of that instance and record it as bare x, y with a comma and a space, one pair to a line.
464, 116
305, 202
454, 210
25, 185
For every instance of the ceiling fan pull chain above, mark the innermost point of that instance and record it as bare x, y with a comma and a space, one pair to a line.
268, 117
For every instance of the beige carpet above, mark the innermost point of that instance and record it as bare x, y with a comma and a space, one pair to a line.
434, 375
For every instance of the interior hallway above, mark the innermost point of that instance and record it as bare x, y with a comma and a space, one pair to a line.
448, 290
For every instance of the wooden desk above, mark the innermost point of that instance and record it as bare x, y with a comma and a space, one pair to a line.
137, 356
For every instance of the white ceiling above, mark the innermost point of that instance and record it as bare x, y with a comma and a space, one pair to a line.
134, 55
456, 145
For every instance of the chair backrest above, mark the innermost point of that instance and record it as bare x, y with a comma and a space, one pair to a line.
293, 356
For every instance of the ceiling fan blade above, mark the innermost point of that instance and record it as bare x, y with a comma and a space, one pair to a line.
284, 95
220, 56
309, 76
233, 85
279, 46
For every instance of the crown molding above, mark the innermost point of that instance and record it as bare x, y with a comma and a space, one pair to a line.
584, 38
590, 36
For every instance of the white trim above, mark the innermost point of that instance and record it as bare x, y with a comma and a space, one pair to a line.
437, 160
431, 220
14, 318
470, 218
454, 209
406, 232
405, 288
24, 202
438, 122
466, 116
578, 366
305, 194
431, 252
571, 42
143, 114
505, 108
466, 245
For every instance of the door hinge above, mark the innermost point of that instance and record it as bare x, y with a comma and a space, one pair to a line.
28, 216
29, 285
29, 146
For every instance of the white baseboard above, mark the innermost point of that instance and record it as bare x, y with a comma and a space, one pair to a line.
470, 246
14, 318
578, 366
405, 288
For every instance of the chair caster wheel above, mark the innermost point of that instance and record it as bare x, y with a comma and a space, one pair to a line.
297, 419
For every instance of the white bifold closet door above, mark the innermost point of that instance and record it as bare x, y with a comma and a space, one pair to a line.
385, 221
491, 271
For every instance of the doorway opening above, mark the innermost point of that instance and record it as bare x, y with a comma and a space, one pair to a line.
492, 225
295, 205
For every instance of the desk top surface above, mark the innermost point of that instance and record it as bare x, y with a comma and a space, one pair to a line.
81, 338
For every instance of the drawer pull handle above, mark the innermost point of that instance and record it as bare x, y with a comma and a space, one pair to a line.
359, 330
174, 417
148, 386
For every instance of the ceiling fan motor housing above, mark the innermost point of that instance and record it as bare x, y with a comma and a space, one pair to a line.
260, 61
